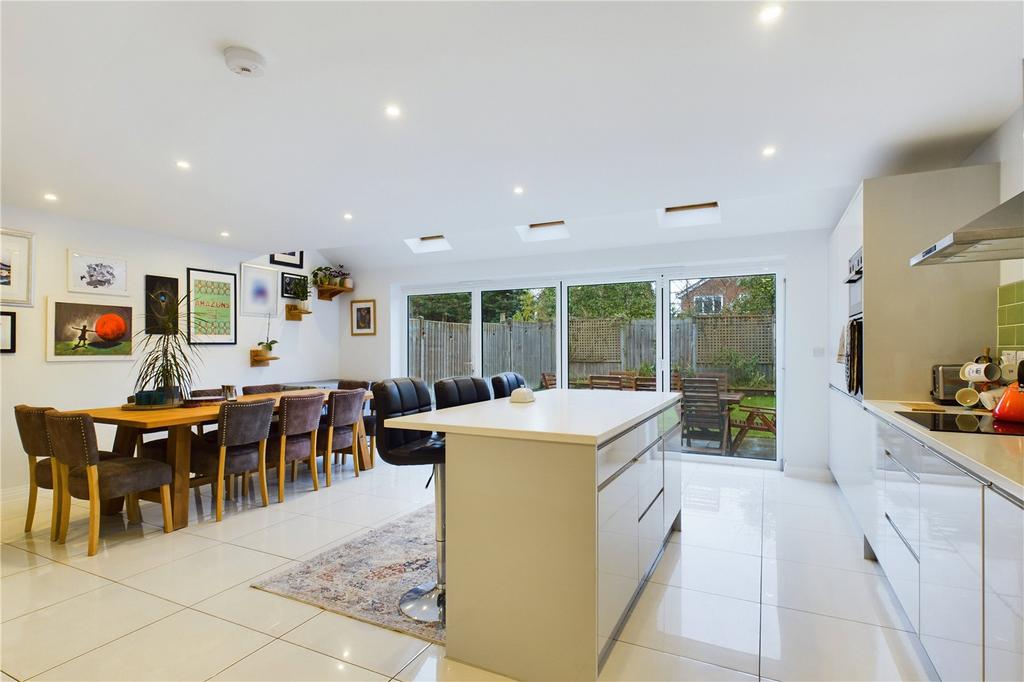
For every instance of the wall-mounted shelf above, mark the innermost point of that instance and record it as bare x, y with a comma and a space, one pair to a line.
260, 358
327, 293
294, 312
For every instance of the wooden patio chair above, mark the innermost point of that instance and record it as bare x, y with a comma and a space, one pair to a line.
722, 377
645, 384
605, 382
758, 419
548, 380
704, 417
628, 378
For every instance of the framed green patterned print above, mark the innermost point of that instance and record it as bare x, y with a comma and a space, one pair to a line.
212, 307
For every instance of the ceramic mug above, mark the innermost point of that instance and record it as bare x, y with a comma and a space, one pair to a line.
967, 397
1009, 371
990, 398
975, 372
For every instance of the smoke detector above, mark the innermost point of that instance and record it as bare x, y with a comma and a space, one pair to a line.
244, 62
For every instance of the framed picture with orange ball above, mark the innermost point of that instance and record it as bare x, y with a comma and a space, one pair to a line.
82, 330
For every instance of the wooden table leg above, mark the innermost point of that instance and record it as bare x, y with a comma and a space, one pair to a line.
179, 455
124, 445
363, 450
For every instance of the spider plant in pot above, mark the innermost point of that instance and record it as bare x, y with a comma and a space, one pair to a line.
267, 345
167, 364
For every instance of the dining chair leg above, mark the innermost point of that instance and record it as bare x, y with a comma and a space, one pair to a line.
65, 504
231, 486
92, 475
373, 448
219, 496
328, 453
295, 470
56, 506
312, 461
280, 471
264, 496
132, 506
165, 506
245, 485
33, 491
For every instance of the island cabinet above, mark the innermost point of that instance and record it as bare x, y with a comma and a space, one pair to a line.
1004, 587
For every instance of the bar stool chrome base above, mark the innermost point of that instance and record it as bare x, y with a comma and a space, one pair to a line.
424, 603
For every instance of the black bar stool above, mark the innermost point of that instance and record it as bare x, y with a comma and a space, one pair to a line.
401, 447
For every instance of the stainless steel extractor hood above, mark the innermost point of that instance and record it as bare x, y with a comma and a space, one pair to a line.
996, 235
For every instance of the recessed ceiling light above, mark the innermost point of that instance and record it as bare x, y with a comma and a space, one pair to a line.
769, 150
770, 14
225, 234
183, 165
690, 215
518, 189
50, 196
543, 232
392, 111
348, 217
428, 244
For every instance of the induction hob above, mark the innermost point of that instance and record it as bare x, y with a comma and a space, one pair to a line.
964, 423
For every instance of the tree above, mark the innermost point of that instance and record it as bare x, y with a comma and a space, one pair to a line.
496, 306
455, 307
536, 305
757, 297
621, 301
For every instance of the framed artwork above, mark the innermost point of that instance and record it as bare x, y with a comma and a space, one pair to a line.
259, 290
17, 267
291, 259
8, 332
363, 317
161, 305
83, 330
93, 273
212, 312
289, 284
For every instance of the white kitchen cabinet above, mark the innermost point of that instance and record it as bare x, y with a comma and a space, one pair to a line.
673, 480
618, 538
951, 574
855, 461
1004, 587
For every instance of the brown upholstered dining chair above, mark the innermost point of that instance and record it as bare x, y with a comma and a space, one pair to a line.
262, 388
42, 468
336, 431
239, 446
369, 414
86, 476
298, 421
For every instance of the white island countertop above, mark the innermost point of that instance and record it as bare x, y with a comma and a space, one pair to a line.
996, 459
558, 415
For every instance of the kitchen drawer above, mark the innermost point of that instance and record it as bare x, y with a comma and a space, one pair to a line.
667, 420
650, 475
903, 570
901, 447
651, 536
1004, 587
673, 479
617, 550
902, 502
618, 452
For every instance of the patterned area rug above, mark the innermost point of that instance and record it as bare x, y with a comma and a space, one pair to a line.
365, 577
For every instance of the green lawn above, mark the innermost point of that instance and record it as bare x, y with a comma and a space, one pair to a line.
64, 348
739, 414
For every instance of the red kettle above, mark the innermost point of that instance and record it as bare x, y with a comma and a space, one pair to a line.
1011, 405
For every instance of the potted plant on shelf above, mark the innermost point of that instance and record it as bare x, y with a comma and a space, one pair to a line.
332, 276
301, 290
167, 363
321, 275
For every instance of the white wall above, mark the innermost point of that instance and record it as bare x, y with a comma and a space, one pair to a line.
800, 256
1005, 146
308, 349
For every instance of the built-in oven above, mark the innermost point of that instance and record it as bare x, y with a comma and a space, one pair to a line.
855, 280
854, 359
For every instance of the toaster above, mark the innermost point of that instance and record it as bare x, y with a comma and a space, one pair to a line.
946, 382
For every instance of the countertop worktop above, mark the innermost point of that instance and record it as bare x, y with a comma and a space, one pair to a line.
997, 459
557, 415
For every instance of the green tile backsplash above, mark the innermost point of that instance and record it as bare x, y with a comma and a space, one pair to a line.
1010, 317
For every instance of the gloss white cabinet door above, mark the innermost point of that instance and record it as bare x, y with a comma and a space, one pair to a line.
1004, 587
673, 480
854, 461
951, 568
618, 538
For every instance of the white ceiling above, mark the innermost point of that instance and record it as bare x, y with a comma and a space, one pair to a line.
598, 109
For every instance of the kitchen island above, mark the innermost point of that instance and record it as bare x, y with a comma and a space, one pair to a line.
557, 512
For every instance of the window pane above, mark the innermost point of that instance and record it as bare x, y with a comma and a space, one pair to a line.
612, 335
439, 336
519, 334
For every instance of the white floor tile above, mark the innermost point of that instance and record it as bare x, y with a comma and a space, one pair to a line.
364, 510
706, 627
724, 534
269, 613
185, 646
14, 560
114, 530
805, 646
296, 536
632, 663
710, 570
140, 554
432, 666
853, 595
42, 586
820, 549
280, 660
240, 523
806, 491
43, 639
200, 576
714, 501
382, 651
835, 519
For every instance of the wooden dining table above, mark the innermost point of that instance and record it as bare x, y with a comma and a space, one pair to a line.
178, 422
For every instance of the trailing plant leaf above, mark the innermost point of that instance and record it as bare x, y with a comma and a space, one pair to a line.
166, 358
